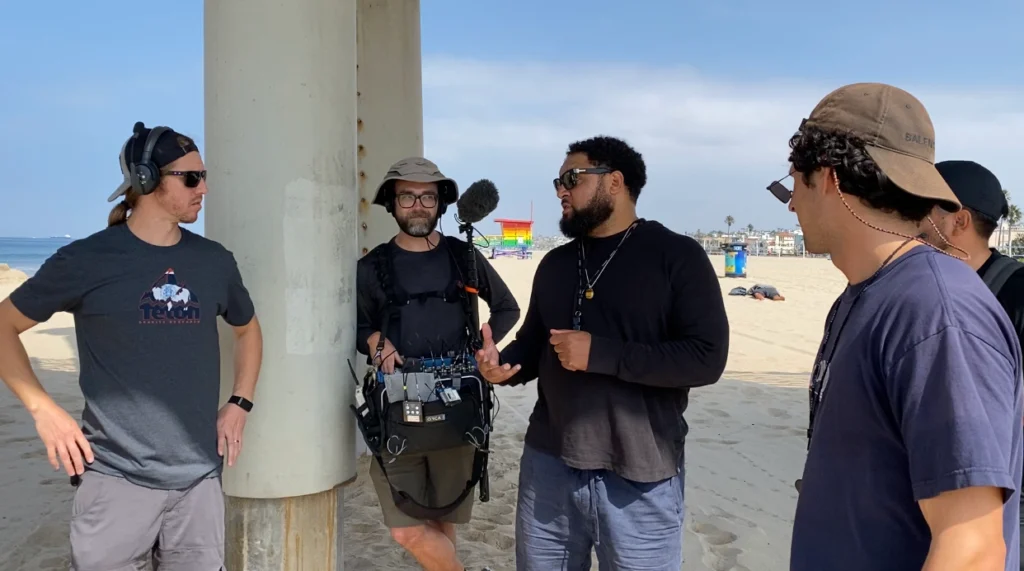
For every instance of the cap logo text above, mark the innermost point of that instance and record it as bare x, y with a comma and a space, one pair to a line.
919, 139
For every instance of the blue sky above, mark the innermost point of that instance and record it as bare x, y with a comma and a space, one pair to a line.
708, 92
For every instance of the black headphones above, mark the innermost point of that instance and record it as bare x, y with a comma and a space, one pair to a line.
145, 175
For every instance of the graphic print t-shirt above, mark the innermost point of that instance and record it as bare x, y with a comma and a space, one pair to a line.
146, 328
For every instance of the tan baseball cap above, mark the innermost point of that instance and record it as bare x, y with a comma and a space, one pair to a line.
417, 169
897, 131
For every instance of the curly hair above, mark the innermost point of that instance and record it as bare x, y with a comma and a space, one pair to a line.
615, 154
813, 148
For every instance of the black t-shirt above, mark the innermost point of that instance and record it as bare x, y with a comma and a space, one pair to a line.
658, 327
1011, 297
428, 325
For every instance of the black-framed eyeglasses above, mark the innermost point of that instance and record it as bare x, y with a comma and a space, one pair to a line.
780, 190
192, 178
409, 200
570, 178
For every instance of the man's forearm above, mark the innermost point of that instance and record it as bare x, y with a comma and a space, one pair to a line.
502, 321
16, 371
965, 553
248, 359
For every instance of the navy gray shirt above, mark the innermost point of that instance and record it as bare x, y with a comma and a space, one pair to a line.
146, 327
922, 396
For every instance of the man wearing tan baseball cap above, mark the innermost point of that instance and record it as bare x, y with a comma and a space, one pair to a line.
915, 442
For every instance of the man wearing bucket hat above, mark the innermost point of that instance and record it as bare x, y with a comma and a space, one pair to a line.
145, 294
915, 442
422, 266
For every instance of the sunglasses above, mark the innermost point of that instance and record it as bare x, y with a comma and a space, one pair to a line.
192, 178
571, 177
780, 191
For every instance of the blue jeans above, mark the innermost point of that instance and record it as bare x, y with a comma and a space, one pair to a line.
563, 513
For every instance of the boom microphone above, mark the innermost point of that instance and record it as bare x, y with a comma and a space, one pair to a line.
479, 200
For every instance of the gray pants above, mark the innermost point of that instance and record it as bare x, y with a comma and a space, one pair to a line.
118, 526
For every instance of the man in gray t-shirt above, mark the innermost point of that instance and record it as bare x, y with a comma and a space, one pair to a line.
145, 294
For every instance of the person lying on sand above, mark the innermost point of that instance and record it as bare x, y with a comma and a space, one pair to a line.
759, 291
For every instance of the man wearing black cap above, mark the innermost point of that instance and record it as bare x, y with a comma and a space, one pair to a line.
145, 294
984, 204
422, 267
915, 449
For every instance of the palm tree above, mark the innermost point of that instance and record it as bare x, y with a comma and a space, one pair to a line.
1013, 218
750, 228
729, 220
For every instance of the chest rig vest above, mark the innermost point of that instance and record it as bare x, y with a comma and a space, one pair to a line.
434, 402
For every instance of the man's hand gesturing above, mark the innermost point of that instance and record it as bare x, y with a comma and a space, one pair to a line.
487, 360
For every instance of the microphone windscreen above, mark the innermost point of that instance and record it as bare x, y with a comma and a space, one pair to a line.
479, 200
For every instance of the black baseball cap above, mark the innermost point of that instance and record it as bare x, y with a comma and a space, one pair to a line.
169, 147
976, 187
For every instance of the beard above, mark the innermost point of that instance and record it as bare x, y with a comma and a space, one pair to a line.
417, 226
580, 222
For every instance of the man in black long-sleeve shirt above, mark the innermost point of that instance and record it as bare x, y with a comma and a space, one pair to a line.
622, 322
422, 267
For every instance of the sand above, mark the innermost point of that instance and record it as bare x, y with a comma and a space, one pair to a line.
746, 444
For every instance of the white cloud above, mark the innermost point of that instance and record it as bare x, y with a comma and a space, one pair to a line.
711, 144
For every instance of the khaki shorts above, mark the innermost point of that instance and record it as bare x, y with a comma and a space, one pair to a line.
119, 526
433, 479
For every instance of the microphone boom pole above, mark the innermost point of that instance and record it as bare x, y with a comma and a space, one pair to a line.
472, 288
479, 200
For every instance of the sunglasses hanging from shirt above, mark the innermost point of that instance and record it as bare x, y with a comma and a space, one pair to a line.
585, 287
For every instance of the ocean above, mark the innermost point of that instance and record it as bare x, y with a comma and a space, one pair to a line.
28, 254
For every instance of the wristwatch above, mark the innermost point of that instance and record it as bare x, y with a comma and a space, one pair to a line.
242, 402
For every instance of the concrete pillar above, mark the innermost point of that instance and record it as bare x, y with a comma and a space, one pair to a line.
390, 104
280, 82
390, 107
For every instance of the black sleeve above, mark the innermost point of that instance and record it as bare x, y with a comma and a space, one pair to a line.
1012, 299
698, 324
240, 309
367, 306
58, 286
530, 342
503, 306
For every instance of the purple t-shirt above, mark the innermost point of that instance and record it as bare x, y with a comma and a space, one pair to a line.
923, 395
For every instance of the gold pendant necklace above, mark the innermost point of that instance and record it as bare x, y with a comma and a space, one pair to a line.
589, 292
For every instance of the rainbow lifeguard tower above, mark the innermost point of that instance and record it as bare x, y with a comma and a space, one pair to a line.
516, 239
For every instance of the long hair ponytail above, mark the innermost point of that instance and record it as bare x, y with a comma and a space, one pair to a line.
119, 214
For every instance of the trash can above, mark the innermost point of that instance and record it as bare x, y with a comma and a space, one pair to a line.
735, 260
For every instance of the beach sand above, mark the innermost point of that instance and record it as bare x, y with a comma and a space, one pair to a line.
745, 448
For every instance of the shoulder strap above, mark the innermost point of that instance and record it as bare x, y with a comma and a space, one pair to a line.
384, 266
999, 271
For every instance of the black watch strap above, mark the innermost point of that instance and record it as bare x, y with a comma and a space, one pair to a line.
242, 402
